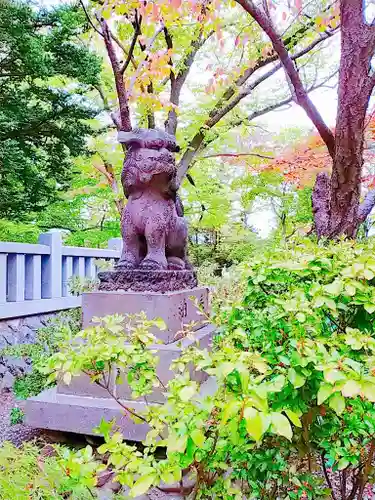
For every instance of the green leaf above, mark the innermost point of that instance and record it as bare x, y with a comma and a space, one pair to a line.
296, 379
334, 288
143, 484
330, 303
351, 389
370, 308
354, 365
231, 409
67, 378
254, 423
368, 390
293, 417
301, 317
325, 391
342, 464
350, 290
160, 323
276, 384
198, 437
319, 301
281, 425
333, 375
368, 274
104, 428
187, 392
337, 403
177, 443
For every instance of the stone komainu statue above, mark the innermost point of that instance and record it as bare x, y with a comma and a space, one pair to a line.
153, 229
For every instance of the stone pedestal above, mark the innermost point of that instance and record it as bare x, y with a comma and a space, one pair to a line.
80, 406
175, 308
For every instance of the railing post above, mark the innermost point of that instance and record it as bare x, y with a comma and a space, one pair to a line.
115, 244
16, 278
3, 277
52, 265
33, 283
79, 267
90, 268
67, 273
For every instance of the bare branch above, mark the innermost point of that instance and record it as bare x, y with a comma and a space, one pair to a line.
241, 95
237, 155
89, 19
195, 144
144, 62
301, 95
178, 81
137, 32
199, 142
125, 123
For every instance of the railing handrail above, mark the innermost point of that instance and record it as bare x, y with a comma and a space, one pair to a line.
90, 252
24, 248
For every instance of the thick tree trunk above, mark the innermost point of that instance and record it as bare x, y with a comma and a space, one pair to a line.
343, 214
346, 172
357, 45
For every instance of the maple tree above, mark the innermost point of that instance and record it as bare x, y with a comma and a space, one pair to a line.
336, 199
160, 51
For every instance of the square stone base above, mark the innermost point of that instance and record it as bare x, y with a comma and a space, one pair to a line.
175, 308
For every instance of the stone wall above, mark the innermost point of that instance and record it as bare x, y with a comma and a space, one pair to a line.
13, 332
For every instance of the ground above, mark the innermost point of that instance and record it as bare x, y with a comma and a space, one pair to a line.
13, 433
19, 433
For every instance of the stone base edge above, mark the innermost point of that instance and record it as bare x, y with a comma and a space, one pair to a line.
60, 412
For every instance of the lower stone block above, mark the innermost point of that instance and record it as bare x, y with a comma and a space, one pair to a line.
78, 414
80, 406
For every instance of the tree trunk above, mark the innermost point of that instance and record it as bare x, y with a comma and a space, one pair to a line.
336, 204
354, 92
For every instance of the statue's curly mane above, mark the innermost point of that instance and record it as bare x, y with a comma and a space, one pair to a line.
149, 154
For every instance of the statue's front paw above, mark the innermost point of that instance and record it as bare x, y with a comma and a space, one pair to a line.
124, 264
175, 264
152, 265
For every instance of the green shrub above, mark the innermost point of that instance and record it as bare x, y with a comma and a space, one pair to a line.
292, 412
30, 385
29, 474
64, 325
18, 231
77, 285
16, 416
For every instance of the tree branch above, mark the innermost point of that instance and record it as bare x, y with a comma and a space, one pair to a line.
289, 42
137, 32
301, 95
125, 123
178, 81
144, 62
366, 206
89, 19
237, 155
197, 141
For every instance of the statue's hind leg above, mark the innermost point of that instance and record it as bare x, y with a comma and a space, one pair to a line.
176, 245
132, 247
